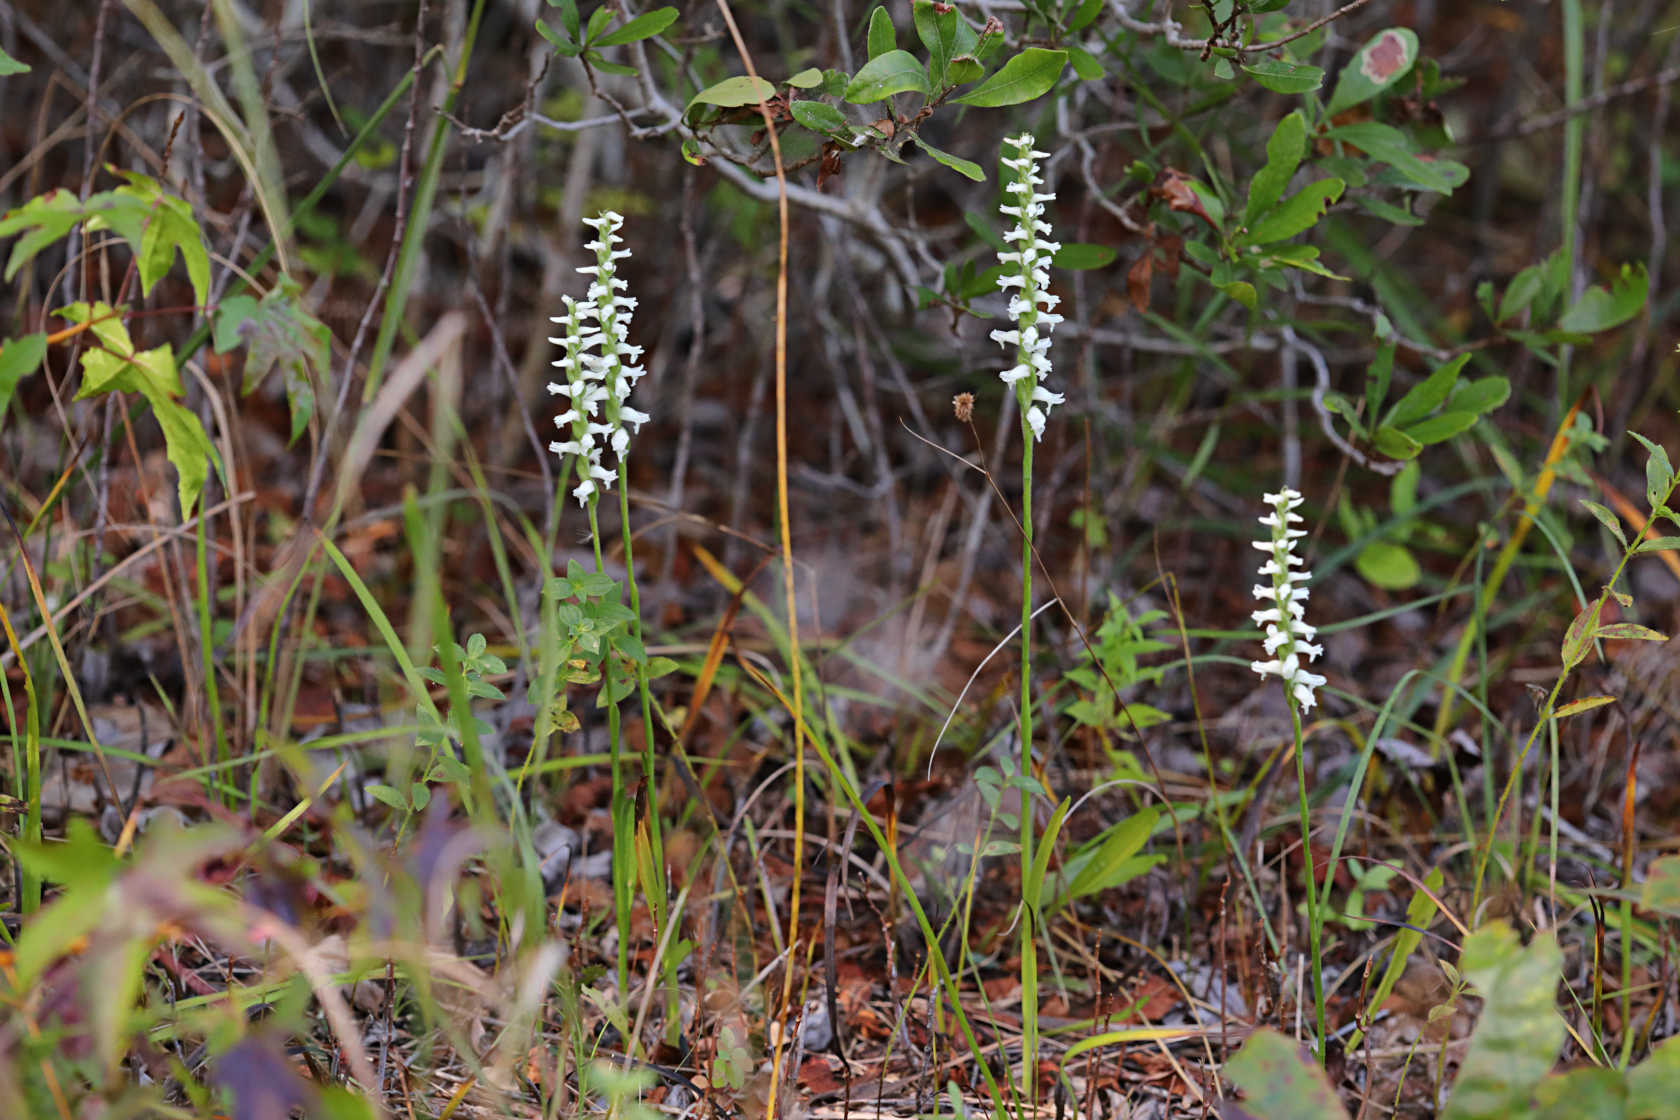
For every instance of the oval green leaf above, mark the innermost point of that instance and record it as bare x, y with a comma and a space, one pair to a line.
818, 116
1079, 256
966, 168
1285, 77
885, 75
1384, 59
1388, 565
1028, 75
1295, 214
644, 26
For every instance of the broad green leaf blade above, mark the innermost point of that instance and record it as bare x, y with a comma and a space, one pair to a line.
20, 358
644, 26
1426, 395
1480, 396
42, 221
1516, 1040
1609, 520
1028, 75
1295, 214
1283, 155
1384, 59
1524, 286
1279, 1082
1108, 866
1654, 1084
963, 167
1395, 444
808, 78
1280, 76
887, 74
1599, 310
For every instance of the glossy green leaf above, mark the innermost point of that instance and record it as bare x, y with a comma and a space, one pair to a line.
1295, 214
644, 26
1084, 64
19, 358
1384, 59
1284, 150
1280, 1082
1029, 74
1482, 395
809, 78
1600, 310
1281, 76
887, 74
598, 20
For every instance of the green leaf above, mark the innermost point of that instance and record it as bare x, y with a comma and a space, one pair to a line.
1426, 395
386, 795
1279, 1082
1389, 145
1420, 911
1442, 426
1388, 565
1083, 16
1609, 520
886, 74
819, 116
1376, 380
1283, 156
1656, 544
173, 228
1660, 892
733, 93
1280, 76
1108, 861
562, 45
1599, 310
1578, 638
1295, 214
1395, 444
1028, 75
1630, 632
1388, 211
42, 221
18, 359
1384, 59
598, 20
1480, 396
1079, 256
1584, 704
1032, 888
938, 32
1516, 1040
1524, 286
1659, 472
809, 78
1084, 64
10, 65
882, 36
278, 331
644, 26
1654, 1084
187, 446
966, 168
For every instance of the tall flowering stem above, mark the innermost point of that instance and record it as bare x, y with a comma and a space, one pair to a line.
1288, 640
1026, 280
600, 371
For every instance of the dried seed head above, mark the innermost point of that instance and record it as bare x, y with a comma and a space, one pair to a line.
963, 405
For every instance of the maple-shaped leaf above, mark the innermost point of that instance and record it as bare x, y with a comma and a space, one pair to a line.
278, 331
42, 221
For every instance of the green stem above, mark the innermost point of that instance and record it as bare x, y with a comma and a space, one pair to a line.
623, 813
1315, 928
1029, 940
